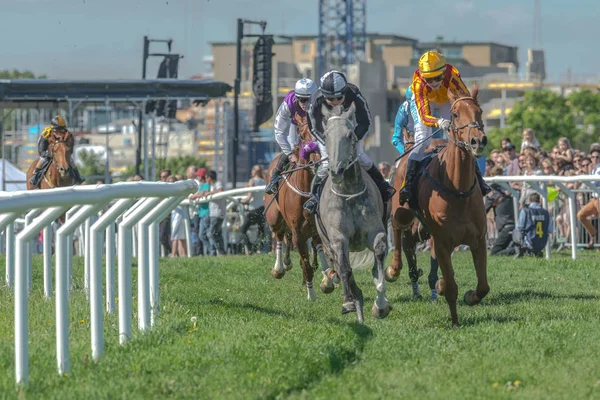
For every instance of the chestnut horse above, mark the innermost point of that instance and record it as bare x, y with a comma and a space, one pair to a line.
287, 217
58, 173
451, 202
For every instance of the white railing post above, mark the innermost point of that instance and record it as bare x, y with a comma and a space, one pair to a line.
124, 266
572, 218
7, 224
22, 291
96, 241
28, 220
47, 254
147, 270
62, 287
69, 240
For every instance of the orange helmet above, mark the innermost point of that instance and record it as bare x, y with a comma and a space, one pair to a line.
431, 64
59, 123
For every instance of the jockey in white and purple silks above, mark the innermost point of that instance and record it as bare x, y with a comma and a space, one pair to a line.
292, 111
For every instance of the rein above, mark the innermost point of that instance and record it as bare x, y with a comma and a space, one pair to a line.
461, 144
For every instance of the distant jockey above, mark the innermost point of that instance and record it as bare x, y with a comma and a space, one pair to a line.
292, 111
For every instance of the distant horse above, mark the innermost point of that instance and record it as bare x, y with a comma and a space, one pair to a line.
288, 219
58, 172
451, 202
351, 213
407, 238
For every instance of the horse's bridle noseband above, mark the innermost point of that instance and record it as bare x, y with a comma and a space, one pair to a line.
454, 129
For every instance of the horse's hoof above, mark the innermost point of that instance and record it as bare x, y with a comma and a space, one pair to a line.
381, 313
440, 285
470, 298
391, 276
326, 286
276, 274
456, 326
288, 265
348, 307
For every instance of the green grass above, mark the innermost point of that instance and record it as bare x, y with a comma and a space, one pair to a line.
259, 338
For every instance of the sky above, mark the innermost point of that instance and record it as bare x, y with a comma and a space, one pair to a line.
103, 39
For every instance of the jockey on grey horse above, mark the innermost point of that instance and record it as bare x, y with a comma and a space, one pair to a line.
334, 91
292, 111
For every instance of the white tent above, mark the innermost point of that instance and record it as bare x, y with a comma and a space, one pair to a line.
12, 173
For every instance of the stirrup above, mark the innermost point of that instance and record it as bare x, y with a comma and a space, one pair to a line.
311, 205
273, 184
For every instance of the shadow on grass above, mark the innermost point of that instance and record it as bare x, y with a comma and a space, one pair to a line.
249, 307
523, 296
339, 359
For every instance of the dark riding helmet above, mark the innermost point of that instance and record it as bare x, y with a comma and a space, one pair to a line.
58, 123
333, 84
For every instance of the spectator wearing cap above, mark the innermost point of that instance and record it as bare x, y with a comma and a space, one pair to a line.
203, 212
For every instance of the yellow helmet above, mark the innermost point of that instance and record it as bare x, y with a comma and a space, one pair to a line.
59, 123
431, 64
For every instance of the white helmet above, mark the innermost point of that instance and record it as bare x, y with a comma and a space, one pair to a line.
305, 88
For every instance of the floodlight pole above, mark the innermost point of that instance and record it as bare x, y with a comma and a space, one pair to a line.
236, 91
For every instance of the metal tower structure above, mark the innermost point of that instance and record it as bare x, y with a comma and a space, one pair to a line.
342, 34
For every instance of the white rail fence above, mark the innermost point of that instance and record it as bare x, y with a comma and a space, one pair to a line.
136, 208
139, 205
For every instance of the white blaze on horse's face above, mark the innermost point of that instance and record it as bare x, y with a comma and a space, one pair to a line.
341, 144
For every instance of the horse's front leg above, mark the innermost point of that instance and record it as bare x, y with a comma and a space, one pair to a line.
327, 283
392, 273
433, 274
479, 254
410, 251
308, 272
287, 261
447, 285
353, 298
278, 270
378, 243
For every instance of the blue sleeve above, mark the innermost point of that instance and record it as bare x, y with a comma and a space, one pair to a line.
400, 122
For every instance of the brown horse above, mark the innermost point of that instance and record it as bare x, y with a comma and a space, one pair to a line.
58, 173
288, 219
451, 202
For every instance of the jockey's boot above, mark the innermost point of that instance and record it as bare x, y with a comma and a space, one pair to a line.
485, 188
36, 177
386, 190
273, 185
77, 176
409, 181
311, 204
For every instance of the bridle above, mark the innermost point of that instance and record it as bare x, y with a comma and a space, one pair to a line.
350, 164
465, 145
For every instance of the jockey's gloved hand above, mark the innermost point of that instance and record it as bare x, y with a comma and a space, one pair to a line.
443, 124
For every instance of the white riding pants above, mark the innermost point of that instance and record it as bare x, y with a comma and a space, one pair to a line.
422, 131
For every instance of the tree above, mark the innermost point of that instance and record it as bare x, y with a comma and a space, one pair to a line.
552, 116
91, 164
16, 74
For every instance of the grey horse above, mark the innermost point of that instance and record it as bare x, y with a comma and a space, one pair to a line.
351, 211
